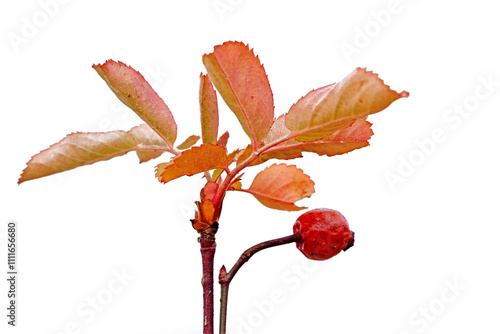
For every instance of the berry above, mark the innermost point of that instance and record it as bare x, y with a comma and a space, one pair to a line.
324, 233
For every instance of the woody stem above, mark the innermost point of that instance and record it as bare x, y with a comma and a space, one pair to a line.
225, 279
207, 247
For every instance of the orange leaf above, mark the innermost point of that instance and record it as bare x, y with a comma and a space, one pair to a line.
333, 107
78, 149
204, 215
209, 111
244, 155
242, 82
193, 161
144, 135
341, 141
190, 141
280, 186
233, 156
136, 93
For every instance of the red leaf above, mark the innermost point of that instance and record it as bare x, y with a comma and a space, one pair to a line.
193, 161
242, 82
341, 141
135, 92
223, 140
78, 149
280, 186
333, 107
209, 111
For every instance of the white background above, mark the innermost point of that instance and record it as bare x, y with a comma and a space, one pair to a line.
436, 227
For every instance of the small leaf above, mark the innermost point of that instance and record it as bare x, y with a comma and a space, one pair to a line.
223, 140
209, 111
209, 190
244, 155
204, 215
235, 186
145, 136
136, 93
216, 174
193, 161
190, 141
78, 149
242, 82
233, 156
280, 186
333, 107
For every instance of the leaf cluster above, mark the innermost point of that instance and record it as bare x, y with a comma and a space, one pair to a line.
329, 121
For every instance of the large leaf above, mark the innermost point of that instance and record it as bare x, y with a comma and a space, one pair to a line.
78, 149
242, 82
333, 107
209, 111
135, 92
145, 136
341, 141
280, 186
193, 161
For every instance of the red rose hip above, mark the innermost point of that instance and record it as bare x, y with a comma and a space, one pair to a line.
324, 233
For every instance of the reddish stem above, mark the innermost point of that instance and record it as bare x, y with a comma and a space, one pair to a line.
207, 246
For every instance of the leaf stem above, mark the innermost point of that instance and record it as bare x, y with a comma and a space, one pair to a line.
172, 150
219, 196
225, 279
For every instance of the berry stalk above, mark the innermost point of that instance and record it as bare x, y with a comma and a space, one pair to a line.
226, 278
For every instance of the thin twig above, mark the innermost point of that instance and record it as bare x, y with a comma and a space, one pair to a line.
225, 279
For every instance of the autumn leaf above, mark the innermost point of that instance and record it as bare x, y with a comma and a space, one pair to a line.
222, 141
190, 141
204, 216
209, 111
135, 92
78, 149
341, 141
233, 156
280, 186
145, 136
242, 82
193, 161
244, 155
333, 107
